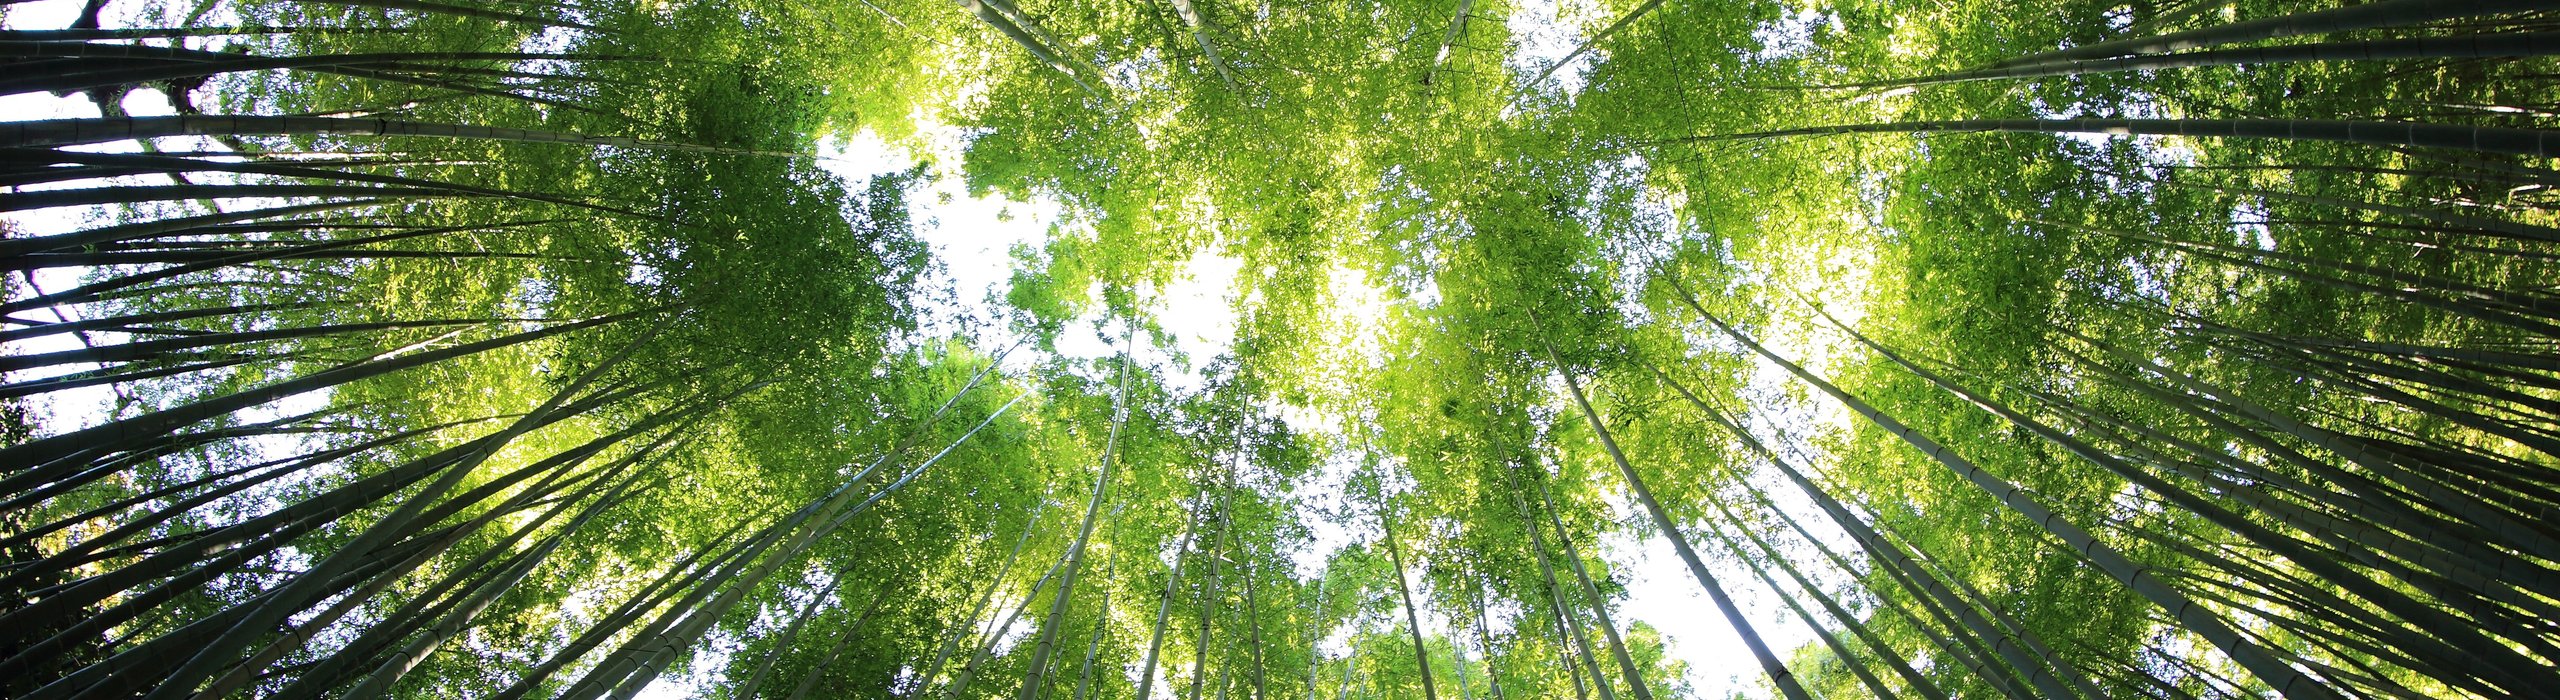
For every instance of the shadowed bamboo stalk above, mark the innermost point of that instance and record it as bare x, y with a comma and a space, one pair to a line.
852, 631
2539, 143
1971, 632
1629, 18
17, 459
2465, 47
1857, 628
2382, 13
987, 12
423, 6
1032, 684
58, 133
1591, 593
1830, 641
1775, 669
1457, 27
1190, 14
1568, 625
1412, 617
1173, 580
2453, 631
2203, 621
941, 655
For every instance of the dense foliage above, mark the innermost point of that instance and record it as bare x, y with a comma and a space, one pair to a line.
1952, 349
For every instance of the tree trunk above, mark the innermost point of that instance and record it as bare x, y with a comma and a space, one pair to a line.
1315, 637
378, 683
402, 521
1568, 627
1457, 27
933, 670
2204, 622
1253, 623
1857, 628
1101, 624
58, 133
2381, 13
1578, 51
1190, 15
167, 63
2432, 493
12, 248
650, 653
969, 671
458, 11
289, 168
97, 290
1412, 618
667, 585
1015, 32
1591, 593
1484, 636
2467, 46
1211, 598
22, 457
746, 690
2537, 143
1830, 641
129, 323
1769, 663
852, 631
1933, 598
146, 350
1164, 606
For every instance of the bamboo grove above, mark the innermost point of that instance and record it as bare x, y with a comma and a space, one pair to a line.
2175, 349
